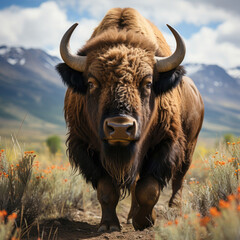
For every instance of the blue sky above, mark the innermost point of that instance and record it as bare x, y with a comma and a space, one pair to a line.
210, 27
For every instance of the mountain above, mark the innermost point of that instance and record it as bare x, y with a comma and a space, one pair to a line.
235, 73
32, 95
220, 92
30, 92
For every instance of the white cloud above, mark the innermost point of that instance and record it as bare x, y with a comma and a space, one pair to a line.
36, 27
160, 11
44, 26
40, 27
204, 47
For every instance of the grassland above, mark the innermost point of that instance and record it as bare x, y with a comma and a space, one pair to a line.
37, 187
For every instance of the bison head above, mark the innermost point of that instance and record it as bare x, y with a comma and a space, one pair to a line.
120, 80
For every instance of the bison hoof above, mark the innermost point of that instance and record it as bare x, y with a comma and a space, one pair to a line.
141, 221
142, 225
108, 227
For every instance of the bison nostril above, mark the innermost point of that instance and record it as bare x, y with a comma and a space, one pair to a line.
110, 129
130, 129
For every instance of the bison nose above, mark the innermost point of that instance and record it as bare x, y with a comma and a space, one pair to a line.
120, 129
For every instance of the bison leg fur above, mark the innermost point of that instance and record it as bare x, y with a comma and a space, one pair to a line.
176, 197
134, 204
108, 197
177, 181
147, 194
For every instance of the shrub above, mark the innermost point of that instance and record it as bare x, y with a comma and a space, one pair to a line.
34, 192
211, 208
54, 144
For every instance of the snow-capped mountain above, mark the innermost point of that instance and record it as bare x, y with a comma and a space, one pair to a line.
234, 73
31, 90
220, 92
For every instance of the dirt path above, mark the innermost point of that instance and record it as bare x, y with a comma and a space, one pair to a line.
84, 224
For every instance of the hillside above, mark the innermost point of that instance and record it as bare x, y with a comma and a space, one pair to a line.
31, 92
220, 92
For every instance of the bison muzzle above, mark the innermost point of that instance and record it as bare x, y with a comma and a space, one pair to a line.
132, 114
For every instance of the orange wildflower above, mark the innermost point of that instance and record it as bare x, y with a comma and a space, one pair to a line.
238, 208
233, 143
213, 156
13, 216
185, 216
224, 204
204, 221
65, 180
230, 197
169, 223
3, 213
238, 189
216, 152
176, 221
198, 214
2, 150
214, 212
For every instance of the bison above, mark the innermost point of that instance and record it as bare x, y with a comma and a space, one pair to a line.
132, 115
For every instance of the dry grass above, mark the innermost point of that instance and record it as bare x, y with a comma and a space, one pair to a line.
35, 187
211, 204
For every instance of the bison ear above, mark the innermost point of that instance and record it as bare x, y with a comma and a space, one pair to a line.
165, 81
72, 78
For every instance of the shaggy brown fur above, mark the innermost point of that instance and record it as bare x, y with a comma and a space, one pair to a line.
120, 66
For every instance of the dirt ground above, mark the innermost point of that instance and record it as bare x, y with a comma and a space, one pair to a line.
83, 224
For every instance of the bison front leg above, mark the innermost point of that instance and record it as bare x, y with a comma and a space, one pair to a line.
108, 197
178, 177
134, 204
147, 194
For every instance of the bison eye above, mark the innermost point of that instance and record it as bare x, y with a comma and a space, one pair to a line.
148, 85
147, 82
92, 83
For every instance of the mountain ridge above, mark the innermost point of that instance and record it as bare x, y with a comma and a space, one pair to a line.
30, 85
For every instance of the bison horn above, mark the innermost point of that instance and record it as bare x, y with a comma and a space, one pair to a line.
74, 61
165, 64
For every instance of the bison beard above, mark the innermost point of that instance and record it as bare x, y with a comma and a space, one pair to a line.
119, 163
